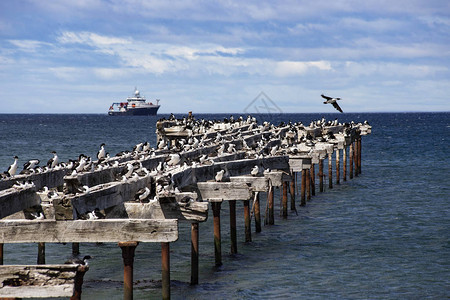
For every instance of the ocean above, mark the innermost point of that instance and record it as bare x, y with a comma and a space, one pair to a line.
382, 235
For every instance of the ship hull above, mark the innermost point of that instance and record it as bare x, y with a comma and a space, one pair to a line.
147, 111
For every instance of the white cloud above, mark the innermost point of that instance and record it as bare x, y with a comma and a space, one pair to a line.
293, 68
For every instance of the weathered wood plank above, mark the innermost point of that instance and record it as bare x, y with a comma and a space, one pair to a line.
297, 164
38, 281
165, 208
256, 184
88, 231
13, 200
224, 190
277, 178
50, 179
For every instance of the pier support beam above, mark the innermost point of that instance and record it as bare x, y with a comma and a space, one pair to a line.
355, 156
165, 264
321, 175
303, 189
313, 180
284, 200
79, 282
350, 155
217, 238
128, 249
344, 153
1, 254
257, 210
359, 155
194, 253
330, 171
233, 231
292, 190
338, 167
41, 254
308, 185
247, 221
75, 249
270, 200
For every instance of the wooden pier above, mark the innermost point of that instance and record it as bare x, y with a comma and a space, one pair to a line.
141, 196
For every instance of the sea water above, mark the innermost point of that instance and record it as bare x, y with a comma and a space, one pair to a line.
384, 234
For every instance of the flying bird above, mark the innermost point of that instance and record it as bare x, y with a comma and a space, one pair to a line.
333, 101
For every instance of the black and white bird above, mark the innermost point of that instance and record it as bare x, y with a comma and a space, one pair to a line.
13, 167
333, 101
174, 159
142, 194
52, 162
75, 260
101, 154
29, 165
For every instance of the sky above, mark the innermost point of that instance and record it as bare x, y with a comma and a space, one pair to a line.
225, 56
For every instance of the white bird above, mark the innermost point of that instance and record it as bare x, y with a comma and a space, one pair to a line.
13, 167
274, 149
255, 171
142, 194
161, 144
231, 148
203, 158
174, 159
52, 162
37, 216
219, 175
138, 147
101, 153
81, 165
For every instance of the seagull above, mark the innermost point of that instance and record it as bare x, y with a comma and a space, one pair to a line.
219, 175
13, 168
255, 171
333, 101
37, 216
101, 153
52, 162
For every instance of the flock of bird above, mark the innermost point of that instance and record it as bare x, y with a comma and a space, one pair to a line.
243, 135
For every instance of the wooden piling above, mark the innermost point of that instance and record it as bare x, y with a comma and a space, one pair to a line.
350, 155
75, 249
338, 167
312, 176
308, 185
292, 190
217, 238
233, 231
128, 249
344, 167
165, 263
194, 253
257, 209
330, 171
247, 221
270, 200
359, 155
41, 254
284, 199
1, 254
303, 189
321, 175
79, 282
355, 157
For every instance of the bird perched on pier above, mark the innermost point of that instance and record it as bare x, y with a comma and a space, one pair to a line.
75, 260
254, 171
142, 194
174, 159
219, 175
52, 162
101, 154
13, 167
29, 165
333, 101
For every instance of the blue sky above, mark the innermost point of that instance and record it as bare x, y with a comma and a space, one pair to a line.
205, 56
